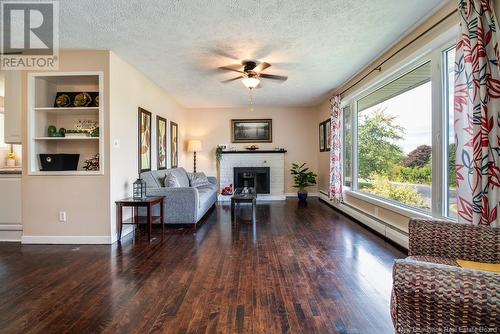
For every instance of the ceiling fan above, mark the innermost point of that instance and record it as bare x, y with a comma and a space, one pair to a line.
251, 73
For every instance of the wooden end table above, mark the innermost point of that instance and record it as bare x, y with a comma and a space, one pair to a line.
147, 203
240, 197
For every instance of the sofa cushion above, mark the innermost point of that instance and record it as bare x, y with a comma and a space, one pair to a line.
204, 195
159, 175
198, 179
150, 180
433, 259
170, 180
181, 175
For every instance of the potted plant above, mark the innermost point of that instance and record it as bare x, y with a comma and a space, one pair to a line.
302, 178
218, 153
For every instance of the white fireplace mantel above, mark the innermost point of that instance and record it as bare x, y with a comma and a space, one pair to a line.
274, 160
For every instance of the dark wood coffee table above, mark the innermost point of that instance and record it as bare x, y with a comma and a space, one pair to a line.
240, 197
148, 203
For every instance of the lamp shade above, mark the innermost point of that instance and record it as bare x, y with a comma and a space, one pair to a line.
194, 146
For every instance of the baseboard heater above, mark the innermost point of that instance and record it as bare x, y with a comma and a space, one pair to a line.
386, 230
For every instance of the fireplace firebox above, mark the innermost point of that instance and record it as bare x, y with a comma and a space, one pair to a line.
255, 177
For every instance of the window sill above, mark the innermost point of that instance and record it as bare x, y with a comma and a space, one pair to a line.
400, 209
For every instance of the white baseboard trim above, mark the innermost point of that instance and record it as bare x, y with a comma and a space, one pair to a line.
11, 232
72, 240
66, 240
126, 230
391, 233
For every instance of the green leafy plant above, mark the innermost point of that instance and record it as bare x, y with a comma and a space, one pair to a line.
377, 135
381, 186
218, 153
302, 177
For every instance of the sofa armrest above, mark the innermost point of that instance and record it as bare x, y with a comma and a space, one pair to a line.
181, 203
212, 180
454, 240
427, 296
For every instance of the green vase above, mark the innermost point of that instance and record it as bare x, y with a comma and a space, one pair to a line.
51, 131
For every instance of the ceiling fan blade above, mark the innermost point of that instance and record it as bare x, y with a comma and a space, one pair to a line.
233, 79
262, 66
234, 68
273, 77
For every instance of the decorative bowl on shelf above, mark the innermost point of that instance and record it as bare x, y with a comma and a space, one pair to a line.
252, 147
82, 100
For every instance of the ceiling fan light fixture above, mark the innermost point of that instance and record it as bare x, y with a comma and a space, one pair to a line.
251, 82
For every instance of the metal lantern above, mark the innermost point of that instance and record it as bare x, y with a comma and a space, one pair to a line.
139, 189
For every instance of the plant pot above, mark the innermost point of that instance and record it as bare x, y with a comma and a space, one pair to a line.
302, 195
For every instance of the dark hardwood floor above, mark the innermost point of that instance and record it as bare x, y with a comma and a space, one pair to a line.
299, 269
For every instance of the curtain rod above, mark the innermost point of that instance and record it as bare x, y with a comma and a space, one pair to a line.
379, 67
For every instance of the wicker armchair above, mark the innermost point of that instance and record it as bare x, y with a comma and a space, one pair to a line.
432, 294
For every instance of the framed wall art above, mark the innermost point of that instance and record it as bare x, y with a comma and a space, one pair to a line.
325, 136
251, 130
161, 142
144, 134
322, 137
174, 145
328, 135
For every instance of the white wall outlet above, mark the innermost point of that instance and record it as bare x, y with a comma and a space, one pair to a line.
116, 143
62, 216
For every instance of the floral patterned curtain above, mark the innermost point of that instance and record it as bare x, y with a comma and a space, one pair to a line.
336, 150
477, 114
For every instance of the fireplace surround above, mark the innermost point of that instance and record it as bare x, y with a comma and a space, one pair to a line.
273, 160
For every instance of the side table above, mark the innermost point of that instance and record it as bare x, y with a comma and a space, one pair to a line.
147, 203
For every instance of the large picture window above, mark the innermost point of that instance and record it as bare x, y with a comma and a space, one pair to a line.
394, 140
401, 134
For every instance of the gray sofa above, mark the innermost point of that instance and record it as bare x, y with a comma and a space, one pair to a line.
184, 204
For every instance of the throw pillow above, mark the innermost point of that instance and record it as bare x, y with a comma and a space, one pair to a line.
171, 180
198, 179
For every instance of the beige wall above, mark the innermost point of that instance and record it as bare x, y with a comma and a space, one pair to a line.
84, 198
130, 89
393, 218
294, 129
89, 200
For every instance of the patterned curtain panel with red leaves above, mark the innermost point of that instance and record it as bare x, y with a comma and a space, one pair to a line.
477, 114
336, 150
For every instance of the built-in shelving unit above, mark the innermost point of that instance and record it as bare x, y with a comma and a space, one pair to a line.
42, 90
66, 138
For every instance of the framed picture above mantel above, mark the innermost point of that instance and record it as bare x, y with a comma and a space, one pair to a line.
251, 130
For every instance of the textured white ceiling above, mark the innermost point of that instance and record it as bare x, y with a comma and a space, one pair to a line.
178, 44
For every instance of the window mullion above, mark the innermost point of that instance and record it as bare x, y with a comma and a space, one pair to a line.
354, 146
438, 149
